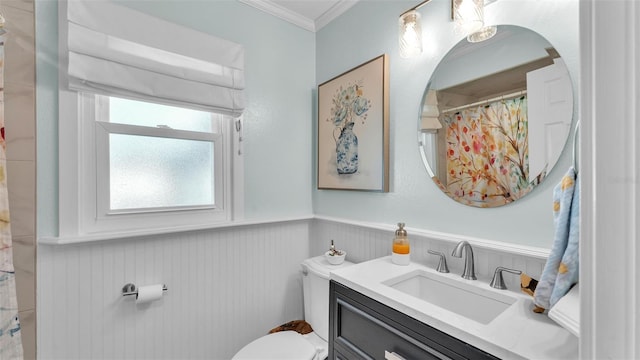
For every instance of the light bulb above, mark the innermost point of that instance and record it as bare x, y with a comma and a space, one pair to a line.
468, 15
410, 34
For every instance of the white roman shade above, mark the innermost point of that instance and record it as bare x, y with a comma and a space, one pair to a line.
119, 51
429, 119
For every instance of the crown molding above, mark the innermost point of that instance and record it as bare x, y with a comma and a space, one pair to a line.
336, 10
306, 23
283, 13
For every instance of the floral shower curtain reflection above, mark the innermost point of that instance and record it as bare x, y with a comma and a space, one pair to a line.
487, 153
10, 339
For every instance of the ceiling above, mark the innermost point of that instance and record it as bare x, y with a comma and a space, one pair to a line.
311, 15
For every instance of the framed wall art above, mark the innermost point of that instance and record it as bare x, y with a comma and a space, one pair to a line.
353, 129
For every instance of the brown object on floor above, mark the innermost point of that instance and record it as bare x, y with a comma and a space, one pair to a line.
299, 326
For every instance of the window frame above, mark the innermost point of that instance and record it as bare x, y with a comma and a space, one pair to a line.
104, 128
82, 169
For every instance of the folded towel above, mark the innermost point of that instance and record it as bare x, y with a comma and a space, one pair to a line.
566, 312
561, 270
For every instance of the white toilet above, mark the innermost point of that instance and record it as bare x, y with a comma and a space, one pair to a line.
290, 345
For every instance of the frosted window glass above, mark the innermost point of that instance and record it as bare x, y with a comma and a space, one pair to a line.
151, 172
140, 113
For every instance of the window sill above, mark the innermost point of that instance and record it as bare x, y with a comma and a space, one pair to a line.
89, 238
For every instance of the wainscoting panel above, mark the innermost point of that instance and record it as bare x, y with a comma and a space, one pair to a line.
226, 287
366, 241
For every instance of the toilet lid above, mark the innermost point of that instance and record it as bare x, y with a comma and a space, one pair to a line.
283, 345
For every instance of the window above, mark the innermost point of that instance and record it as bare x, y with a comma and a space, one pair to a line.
156, 157
149, 124
153, 165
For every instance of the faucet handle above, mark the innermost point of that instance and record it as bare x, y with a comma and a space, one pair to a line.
442, 264
498, 281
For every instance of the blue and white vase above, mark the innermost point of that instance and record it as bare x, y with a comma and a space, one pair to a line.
347, 150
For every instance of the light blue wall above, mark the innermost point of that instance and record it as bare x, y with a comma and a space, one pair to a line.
280, 79
369, 29
284, 63
521, 46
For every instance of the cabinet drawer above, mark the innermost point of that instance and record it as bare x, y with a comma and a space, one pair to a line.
362, 328
370, 337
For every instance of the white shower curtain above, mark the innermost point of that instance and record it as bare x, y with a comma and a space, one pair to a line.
10, 340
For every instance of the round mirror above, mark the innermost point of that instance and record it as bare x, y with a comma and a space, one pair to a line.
496, 115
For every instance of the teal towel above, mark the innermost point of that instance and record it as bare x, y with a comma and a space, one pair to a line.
561, 270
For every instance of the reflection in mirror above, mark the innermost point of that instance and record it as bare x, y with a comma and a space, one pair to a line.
496, 115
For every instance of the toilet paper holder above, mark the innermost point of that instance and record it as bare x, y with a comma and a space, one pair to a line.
130, 289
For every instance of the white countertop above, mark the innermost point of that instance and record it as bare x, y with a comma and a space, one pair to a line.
518, 332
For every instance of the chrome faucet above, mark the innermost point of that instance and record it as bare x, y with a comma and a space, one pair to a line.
469, 272
442, 264
498, 281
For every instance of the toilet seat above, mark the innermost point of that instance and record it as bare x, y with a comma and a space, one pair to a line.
283, 345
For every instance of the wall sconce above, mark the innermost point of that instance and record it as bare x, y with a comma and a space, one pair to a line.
411, 32
483, 34
468, 15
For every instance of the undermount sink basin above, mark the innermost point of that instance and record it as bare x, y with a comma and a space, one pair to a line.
472, 302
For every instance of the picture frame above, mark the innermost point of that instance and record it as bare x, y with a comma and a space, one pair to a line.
353, 129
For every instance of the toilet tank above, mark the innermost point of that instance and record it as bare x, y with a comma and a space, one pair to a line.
315, 283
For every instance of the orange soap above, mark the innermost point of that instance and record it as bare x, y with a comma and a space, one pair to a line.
401, 248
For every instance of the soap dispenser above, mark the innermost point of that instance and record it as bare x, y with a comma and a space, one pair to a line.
400, 253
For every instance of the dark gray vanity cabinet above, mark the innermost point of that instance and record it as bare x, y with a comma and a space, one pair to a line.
362, 328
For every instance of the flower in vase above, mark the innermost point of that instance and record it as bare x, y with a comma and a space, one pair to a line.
349, 104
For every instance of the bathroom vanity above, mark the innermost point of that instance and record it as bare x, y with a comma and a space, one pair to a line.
379, 310
361, 327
